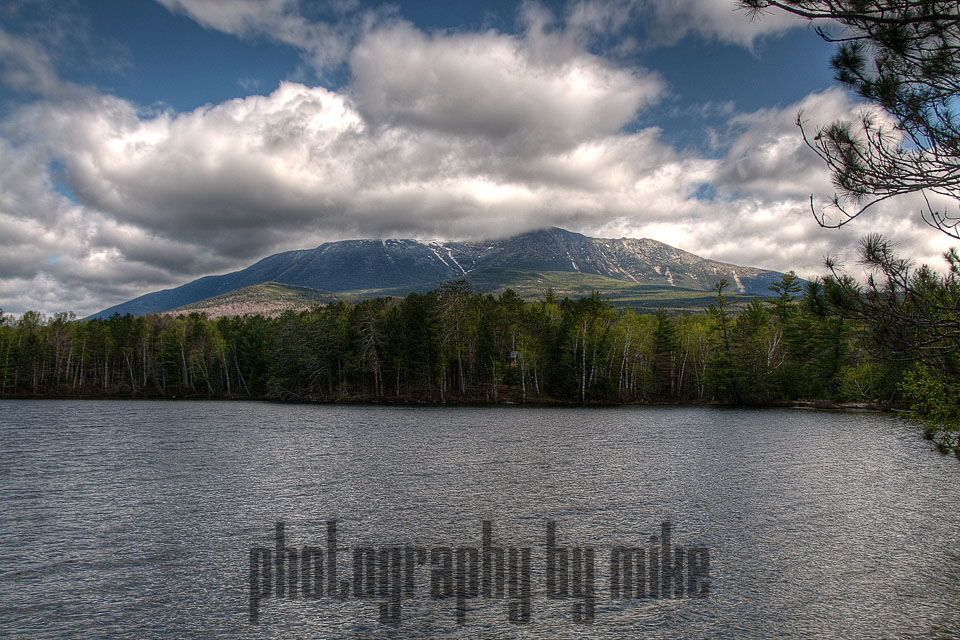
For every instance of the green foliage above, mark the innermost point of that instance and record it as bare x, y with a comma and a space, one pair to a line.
786, 288
858, 382
532, 285
936, 402
664, 356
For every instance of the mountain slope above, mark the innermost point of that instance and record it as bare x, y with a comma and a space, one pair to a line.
268, 299
400, 266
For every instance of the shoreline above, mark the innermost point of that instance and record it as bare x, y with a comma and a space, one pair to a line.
809, 405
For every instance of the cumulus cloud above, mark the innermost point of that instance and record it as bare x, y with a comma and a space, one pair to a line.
56, 254
536, 90
543, 120
309, 157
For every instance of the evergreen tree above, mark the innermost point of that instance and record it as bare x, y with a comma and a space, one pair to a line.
904, 58
664, 356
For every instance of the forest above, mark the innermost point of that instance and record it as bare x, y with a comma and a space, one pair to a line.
827, 340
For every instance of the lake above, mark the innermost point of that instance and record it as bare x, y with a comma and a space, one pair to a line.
136, 519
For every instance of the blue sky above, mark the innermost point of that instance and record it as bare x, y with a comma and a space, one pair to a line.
144, 144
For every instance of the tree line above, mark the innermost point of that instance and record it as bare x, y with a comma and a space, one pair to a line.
456, 345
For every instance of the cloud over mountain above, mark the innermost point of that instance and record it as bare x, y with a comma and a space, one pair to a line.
458, 135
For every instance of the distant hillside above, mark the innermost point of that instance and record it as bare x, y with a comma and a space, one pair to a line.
532, 285
269, 299
633, 268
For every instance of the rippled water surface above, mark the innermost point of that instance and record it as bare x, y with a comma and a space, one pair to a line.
136, 519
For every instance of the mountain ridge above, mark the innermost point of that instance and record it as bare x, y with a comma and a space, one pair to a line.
352, 266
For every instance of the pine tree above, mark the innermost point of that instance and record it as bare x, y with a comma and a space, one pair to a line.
904, 58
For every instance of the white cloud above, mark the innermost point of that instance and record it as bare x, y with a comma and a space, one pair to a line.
56, 255
324, 44
767, 156
529, 91
544, 121
716, 19
26, 67
328, 43
665, 22
309, 158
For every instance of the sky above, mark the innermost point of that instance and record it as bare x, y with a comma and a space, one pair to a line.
144, 144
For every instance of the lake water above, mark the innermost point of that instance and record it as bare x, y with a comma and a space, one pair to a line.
128, 519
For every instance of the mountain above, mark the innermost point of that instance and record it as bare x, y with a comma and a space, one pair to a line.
529, 262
